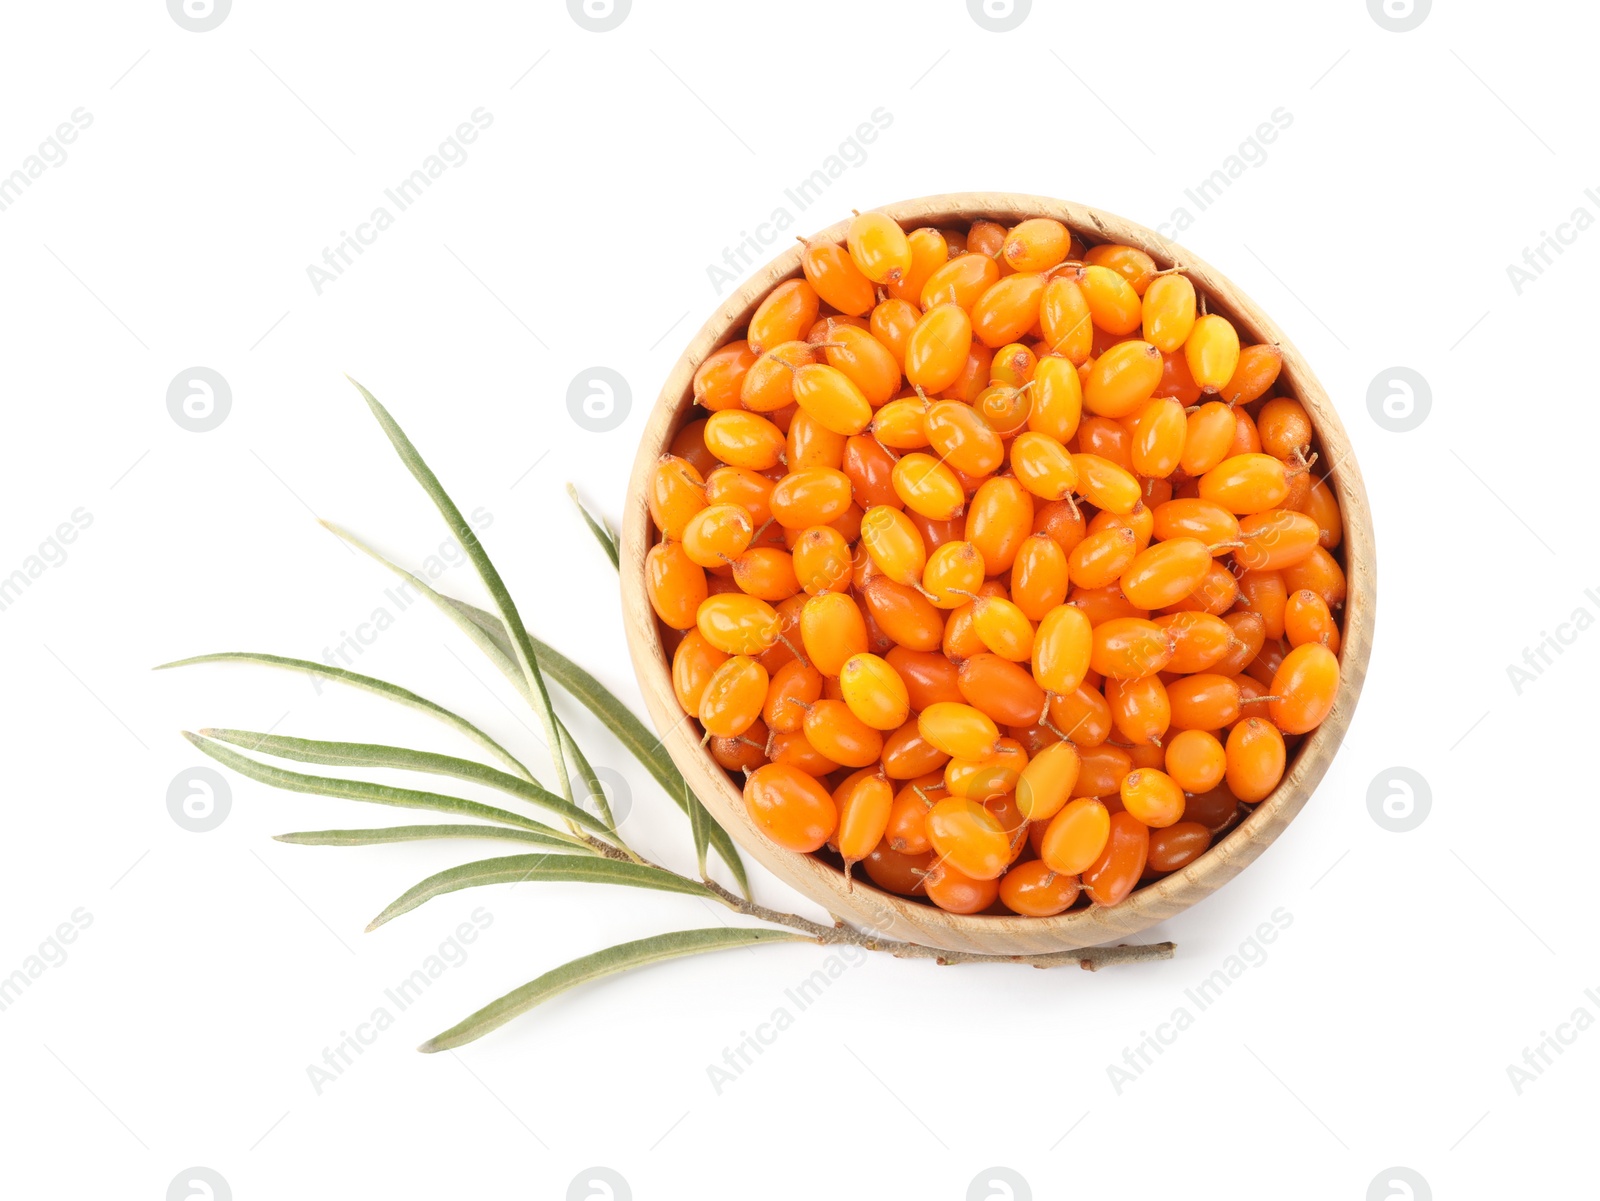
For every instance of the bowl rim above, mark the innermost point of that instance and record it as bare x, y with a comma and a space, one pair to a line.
899, 917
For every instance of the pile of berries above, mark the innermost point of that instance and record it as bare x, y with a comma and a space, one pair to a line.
997, 566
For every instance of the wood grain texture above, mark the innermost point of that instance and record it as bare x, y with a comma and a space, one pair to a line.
901, 918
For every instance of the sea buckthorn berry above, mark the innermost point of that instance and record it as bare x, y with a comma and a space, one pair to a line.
1002, 689
929, 252
1043, 466
1034, 889
744, 439
1320, 572
677, 492
953, 574
1153, 797
1196, 760
1111, 439
988, 778
811, 496
987, 237
784, 316
790, 807
1076, 836
1159, 433
879, 248
1063, 521
1322, 506
963, 439
956, 892
936, 350
893, 544
907, 754
1039, 576
836, 279
1306, 685
732, 699
693, 664
1037, 244
967, 837
1275, 539
737, 624
868, 362
1102, 557
1133, 264
1190, 517
689, 444
792, 688
1256, 372
1082, 715
1122, 379
973, 377
1256, 757
1047, 781
1115, 874
822, 560
895, 872
769, 384
1004, 408
1167, 312
717, 534
1203, 701
1306, 619
750, 490
1056, 399
1244, 484
1008, 309
1100, 770
926, 486
832, 629
1101, 605
891, 323
812, 444
899, 424
1176, 380
838, 733
1213, 810
1105, 485
1177, 846
1265, 594
675, 584
747, 750
1013, 366
999, 519
1062, 649
795, 751
1140, 709
958, 730
1212, 351
1208, 438
875, 692
830, 396
766, 572
863, 805
1066, 320
1166, 572
929, 676
1200, 640
720, 376
960, 282
1130, 647
1113, 304
1003, 628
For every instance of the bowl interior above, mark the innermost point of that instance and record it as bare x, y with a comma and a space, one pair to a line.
898, 917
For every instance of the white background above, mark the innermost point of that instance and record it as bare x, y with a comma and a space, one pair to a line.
218, 966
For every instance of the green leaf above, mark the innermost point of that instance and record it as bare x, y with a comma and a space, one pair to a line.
700, 824
634, 735
394, 692
597, 527
385, 834
597, 966
591, 782
517, 869
524, 652
367, 754
360, 790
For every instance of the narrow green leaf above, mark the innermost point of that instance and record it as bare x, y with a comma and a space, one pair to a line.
366, 754
385, 834
634, 735
586, 776
525, 655
517, 869
597, 527
594, 967
699, 826
360, 790
383, 688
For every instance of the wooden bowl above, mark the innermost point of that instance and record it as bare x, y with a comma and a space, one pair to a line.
916, 921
